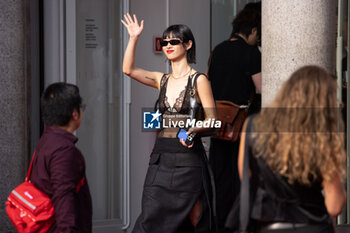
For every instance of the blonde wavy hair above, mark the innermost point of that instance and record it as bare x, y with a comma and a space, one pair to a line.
301, 134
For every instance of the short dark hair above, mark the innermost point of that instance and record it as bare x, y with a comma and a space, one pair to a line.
184, 33
58, 102
253, 6
245, 21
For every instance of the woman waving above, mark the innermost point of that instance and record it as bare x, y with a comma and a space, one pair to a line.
177, 191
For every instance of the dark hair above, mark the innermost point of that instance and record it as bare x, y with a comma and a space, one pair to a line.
253, 6
58, 102
184, 33
245, 21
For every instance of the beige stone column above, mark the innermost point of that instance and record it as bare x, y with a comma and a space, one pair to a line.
295, 33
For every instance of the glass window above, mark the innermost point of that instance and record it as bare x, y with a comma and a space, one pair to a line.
98, 64
222, 14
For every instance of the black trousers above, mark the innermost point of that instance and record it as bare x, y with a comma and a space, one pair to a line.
223, 160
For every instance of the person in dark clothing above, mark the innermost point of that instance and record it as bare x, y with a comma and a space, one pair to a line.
177, 192
255, 106
295, 151
59, 166
235, 73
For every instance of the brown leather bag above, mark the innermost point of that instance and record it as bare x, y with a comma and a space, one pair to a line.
232, 117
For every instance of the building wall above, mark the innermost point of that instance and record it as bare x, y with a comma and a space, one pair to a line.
13, 100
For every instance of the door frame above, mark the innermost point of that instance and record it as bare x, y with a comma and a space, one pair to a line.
62, 66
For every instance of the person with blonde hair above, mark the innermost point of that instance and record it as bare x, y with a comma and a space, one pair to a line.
295, 151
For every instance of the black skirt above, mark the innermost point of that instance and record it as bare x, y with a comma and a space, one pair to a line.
176, 178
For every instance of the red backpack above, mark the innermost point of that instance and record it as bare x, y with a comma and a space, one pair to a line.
29, 209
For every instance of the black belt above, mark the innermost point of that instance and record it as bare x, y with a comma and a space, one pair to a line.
282, 225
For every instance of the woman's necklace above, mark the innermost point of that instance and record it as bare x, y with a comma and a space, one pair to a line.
181, 75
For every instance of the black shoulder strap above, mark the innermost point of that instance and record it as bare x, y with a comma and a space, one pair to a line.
156, 105
162, 80
244, 210
161, 91
194, 78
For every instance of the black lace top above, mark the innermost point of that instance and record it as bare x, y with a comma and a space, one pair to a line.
180, 110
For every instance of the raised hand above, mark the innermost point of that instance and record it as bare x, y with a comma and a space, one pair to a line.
134, 29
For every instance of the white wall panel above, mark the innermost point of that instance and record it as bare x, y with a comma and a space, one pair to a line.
141, 143
196, 15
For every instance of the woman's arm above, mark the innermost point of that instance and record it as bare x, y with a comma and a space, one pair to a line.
334, 195
207, 100
205, 95
257, 82
241, 150
148, 78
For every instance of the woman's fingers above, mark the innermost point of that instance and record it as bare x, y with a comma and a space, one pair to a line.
125, 24
132, 24
191, 130
141, 25
126, 19
184, 144
129, 21
129, 18
135, 19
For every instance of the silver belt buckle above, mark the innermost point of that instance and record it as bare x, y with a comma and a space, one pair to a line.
284, 225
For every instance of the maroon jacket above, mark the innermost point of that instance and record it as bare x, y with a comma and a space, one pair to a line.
57, 169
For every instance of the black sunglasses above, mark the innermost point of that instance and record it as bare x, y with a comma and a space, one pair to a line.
172, 42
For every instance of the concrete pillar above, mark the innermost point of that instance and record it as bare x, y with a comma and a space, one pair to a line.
14, 85
295, 33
